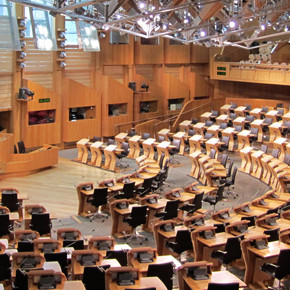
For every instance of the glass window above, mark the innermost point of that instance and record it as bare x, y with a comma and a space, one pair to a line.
150, 41
89, 36
28, 30
71, 33
118, 38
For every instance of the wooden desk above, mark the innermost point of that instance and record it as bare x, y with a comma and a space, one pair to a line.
272, 114
214, 130
119, 228
240, 111
148, 148
256, 157
222, 277
286, 117
212, 143
84, 207
120, 138
275, 131
205, 117
96, 157
224, 109
134, 143
265, 160
199, 128
185, 125
163, 147
229, 132
258, 124
246, 164
180, 136
222, 118
165, 132
239, 121
195, 143
256, 258
195, 166
110, 158
74, 285
243, 139
256, 113
83, 151
280, 144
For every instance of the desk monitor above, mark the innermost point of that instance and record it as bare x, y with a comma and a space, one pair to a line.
271, 221
126, 180
109, 183
246, 209
88, 260
152, 200
207, 234
49, 248
224, 215
125, 279
242, 228
260, 244
167, 227
103, 245
87, 187
9, 191
28, 237
76, 244
263, 202
71, 236
274, 195
175, 193
145, 257
47, 282
122, 205
198, 273
36, 210
25, 246
3, 211
27, 262
198, 222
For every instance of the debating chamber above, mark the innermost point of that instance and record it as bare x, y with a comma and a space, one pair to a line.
144, 144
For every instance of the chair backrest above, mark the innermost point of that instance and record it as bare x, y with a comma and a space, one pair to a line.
171, 209
147, 183
286, 124
208, 136
10, 200
25, 246
283, 263
287, 159
132, 133
128, 190
183, 241
224, 159
4, 224
146, 136
5, 272
94, 277
268, 121
208, 123
249, 118
238, 128
40, 222
95, 139
61, 258
219, 195
110, 141
223, 125
251, 218
226, 140
161, 160
275, 153
223, 286
233, 105
21, 280
214, 113
264, 148
139, 215
160, 138
233, 249
248, 107
265, 109
233, 116
191, 132
273, 233
176, 143
280, 111
254, 131
230, 169
198, 201
234, 175
212, 153
125, 147
100, 196
21, 147
120, 256
163, 271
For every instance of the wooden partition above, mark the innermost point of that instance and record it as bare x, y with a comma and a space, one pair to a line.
117, 105
151, 126
176, 53
6, 146
147, 104
199, 54
149, 54
176, 94
116, 54
40, 119
81, 112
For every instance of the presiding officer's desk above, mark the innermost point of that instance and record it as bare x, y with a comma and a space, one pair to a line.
186, 276
113, 273
256, 255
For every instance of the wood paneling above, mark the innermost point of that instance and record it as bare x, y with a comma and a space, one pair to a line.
146, 71
176, 53
6, 147
149, 54
114, 71
199, 54
117, 54
76, 95
115, 93
37, 135
6, 61
5, 91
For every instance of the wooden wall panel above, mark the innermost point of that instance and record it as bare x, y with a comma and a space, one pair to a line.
176, 53
117, 54
114, 71
79, 95
199, 54
5, 92
115, 93
6, 147
37, 135
173, 70
149, 54
6, 58
145, 70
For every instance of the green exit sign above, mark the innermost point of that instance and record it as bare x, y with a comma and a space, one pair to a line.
221, 73
47, 100
221, 68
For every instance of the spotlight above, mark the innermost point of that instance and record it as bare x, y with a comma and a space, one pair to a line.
62, 44
102, 35
185, 21
106, 27
22, 34
62, 54
164, 26
62, 34
22, 65
62, 64
144, 86
202, 33
25, 94
22, 54
286, 28
232, 24
263, 26
141, 5
22, 43
22, 23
